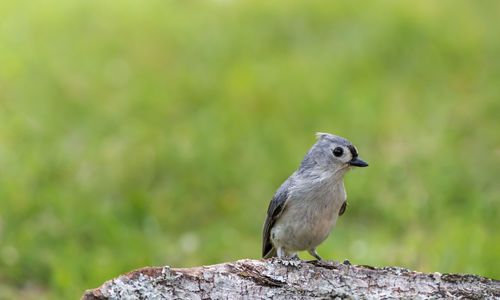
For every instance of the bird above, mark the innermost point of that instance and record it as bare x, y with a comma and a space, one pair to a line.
306, 206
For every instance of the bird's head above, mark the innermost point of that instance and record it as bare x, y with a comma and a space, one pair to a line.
332, 153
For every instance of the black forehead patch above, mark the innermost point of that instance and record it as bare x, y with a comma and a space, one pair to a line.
353, 150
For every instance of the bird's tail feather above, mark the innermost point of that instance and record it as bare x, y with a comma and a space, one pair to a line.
271, 253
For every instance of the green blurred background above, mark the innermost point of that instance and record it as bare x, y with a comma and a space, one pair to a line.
139, 133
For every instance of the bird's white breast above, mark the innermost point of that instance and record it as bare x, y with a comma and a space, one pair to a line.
307, 222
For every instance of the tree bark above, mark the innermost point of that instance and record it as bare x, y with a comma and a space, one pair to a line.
292, 279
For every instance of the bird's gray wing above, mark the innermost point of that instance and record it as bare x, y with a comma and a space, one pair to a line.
274, 211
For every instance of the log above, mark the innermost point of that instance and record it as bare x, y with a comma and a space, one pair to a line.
292, 279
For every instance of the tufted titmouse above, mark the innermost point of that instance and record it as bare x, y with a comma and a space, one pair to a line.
305, 208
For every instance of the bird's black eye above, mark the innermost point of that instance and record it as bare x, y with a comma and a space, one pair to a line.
338, 151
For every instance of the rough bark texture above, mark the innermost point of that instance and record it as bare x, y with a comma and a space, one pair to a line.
292, 279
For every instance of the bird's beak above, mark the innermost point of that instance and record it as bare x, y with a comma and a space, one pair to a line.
358, 162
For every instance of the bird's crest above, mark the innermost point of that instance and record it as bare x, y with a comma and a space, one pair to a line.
320, 135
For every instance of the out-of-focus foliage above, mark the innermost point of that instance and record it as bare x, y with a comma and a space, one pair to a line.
138, 133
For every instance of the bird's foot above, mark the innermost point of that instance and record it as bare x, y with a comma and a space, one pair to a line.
281, 252
347, 262
292, 260
315, 254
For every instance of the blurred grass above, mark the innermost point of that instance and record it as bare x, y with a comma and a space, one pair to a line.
155, 133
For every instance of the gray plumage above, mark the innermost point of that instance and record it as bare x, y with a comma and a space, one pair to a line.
305, 208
